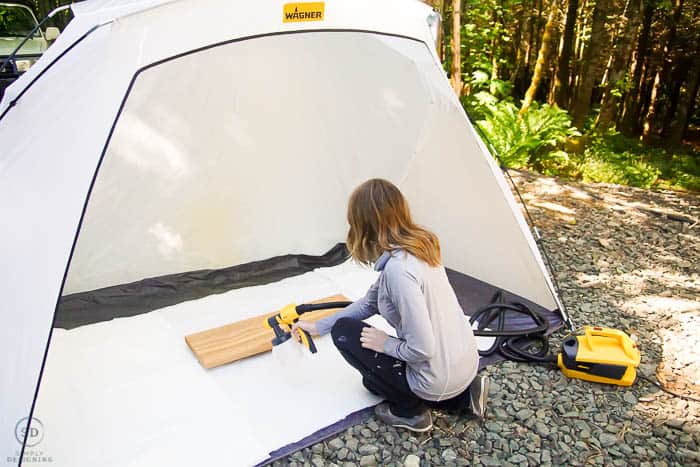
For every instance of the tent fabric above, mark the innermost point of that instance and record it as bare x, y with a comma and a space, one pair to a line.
130, 392
149, 294
144, 371
161, 137
471, 294
355, 418
164, 150
216, 21
113, 8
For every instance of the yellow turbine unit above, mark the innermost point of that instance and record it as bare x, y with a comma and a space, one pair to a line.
601, 355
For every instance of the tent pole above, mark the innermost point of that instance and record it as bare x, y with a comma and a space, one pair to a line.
538, 239
535, 231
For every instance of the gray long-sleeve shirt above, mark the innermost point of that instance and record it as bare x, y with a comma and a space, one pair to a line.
434, 337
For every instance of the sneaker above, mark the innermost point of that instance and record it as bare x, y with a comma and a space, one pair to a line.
419, 423
478, 395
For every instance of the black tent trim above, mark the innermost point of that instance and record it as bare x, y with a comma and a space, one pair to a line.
135, 298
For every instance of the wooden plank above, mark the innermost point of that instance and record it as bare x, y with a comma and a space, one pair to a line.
242, 339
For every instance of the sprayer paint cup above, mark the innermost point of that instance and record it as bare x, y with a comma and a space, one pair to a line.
288, 353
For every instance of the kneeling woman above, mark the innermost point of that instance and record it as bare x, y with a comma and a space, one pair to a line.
434, 361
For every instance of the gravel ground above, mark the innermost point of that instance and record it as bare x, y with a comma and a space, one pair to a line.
625, 258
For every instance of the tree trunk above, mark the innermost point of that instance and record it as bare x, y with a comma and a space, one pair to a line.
538, 28
652, 121
554, 65
618, 66
494, 65
689, 91
530, 41
541, 59
582, 25
517, 45
439, 7
645, 93
456, 75
562, 86
633, 98
591, 64
674, 93
447, 38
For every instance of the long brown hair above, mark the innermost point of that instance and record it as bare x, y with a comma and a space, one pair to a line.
380, 221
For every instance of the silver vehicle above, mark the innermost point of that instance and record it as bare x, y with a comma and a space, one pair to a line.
17, 21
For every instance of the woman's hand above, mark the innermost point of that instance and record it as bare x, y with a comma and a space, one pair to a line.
373, 339
307, 326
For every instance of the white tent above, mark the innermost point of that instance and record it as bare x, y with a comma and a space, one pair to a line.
157, 137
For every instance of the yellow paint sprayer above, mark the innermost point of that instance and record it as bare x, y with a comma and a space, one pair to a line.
282, 321
601, 355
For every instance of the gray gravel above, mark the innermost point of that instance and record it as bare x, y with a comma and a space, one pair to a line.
623, 262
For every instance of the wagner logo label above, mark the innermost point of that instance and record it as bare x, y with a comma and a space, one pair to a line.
298, 12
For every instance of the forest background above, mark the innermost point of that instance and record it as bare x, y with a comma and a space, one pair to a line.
598, 90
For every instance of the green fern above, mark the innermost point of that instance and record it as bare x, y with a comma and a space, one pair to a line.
526, 140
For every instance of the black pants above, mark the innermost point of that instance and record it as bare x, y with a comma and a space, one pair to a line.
384, 375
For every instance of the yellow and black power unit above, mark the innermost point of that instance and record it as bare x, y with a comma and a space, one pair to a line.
601, 355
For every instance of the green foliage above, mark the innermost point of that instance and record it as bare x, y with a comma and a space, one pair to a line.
486, 35
535, 141
622, 86
486, 94
601, 164
613, 158
497, 34
15, 21
529, 140
481, 81
680, 171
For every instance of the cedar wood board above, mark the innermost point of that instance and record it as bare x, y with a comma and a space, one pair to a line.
235, 341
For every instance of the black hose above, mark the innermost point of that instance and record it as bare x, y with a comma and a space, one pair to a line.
520, 345
306, 307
